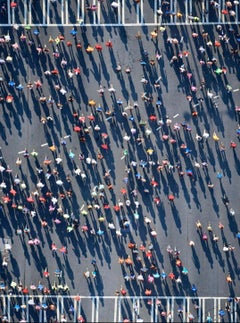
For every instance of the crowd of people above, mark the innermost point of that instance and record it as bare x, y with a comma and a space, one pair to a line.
99, 176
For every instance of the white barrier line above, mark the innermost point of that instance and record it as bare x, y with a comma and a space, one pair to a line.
203, 310
175, 10
123, 11
9, 13
115, 310
8, 312
203, 10
119, 309
172, 309
57, 310
94, 14
141, 13
176, 115
66, 11
236, 10
168, 309
138, 13
99, 13
44, 312
25, 12
97, 310
27, 316
40, 315
186, 12
48, 12
44, 12
171, 9
217, 309
133, 311
148, 24
119, 12
79, 308
82, 11
30, 12
13, 16
207, 10
190, 7
93, 309
155, 11
219, 11
78, 10
43, 145
236, 90
62, 11
184, 310
152, 311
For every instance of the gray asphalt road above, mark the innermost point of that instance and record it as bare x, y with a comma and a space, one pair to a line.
174, 223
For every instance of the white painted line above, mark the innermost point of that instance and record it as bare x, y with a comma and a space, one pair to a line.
48, 12
62, 308
186, 12
215, 310
67, 136
119, 12
219, 11
13, 16
8, 312
119, 309
27, 310
93, 309
44, 12
152, 311
123, 11
21, 152
176, 115
207, 11
83, 11
203, 310
78, 10
155, 11
190, 7
79, 308
168, 308
171, 9
137, 13
66, 11
203, 10
99, 13
97, 310
119, 25
58, 310
115, 310
62, 11
141, 13
43, 145
172, 309
9, 13
236, 10
25, 12
236, 90
30, 12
